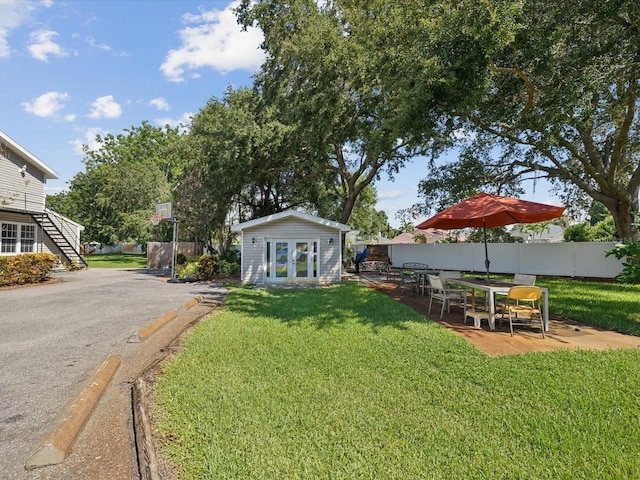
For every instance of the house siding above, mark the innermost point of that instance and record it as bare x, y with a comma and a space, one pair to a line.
329, 255
18, 192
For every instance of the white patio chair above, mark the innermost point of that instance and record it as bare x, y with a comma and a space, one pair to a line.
523, 279
445, 295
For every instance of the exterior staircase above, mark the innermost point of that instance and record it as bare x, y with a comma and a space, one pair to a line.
47, 223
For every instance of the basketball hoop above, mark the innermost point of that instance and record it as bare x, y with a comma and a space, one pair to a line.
155, 219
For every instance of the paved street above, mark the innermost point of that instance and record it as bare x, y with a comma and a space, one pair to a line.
54, 336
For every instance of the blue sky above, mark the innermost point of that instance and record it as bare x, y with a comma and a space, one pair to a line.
76, 68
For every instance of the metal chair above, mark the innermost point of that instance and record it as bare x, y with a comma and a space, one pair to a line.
445, 295
523, 304
523, 279
408, 275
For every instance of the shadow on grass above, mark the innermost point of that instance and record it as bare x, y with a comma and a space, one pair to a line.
322, 307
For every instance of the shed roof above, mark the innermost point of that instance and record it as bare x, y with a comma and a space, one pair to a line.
49, 174
286, 214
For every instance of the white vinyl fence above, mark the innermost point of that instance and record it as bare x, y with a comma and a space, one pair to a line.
573, 259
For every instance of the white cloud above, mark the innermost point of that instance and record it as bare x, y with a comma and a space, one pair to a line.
42, 45
105, 107
89, 140
13, 14
160, 104
215, 40
70, 117
5, 50
103, 46
391, 194
183, 121
46, 105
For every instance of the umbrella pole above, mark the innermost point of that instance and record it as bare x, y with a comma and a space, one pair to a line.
486, 251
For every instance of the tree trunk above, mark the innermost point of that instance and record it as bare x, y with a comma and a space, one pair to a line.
623, 217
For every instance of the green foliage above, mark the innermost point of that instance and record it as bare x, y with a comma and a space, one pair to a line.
494, 235
343, 382
604, 231
577, 233
538, 228
420, 238
209, 267
543, 92
26, 268
321, 76
123, 180
188, 268
631, 253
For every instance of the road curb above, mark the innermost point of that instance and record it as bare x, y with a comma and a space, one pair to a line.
55, 447
193, 301
153, 327
146, 332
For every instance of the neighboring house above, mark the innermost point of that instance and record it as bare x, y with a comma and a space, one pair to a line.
26, 225
291, 247
554, 234
431, 235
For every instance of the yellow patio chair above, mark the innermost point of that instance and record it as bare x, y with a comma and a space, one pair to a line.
523, 304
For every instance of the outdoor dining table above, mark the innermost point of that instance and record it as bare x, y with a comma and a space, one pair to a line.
494, 287
421, 277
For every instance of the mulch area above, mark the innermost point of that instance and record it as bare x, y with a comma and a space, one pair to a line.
562, 334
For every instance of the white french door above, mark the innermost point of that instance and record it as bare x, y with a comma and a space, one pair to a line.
291, 260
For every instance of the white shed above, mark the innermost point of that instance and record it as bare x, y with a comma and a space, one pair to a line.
291, 247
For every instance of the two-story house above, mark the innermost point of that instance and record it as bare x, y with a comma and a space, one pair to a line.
26, 225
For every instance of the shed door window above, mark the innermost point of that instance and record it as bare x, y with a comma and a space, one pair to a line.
291, 259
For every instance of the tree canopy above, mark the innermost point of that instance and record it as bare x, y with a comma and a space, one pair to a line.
559, 100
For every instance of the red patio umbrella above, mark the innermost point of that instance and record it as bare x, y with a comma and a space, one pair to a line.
486, 210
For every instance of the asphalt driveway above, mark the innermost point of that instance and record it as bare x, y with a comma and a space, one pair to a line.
54, 336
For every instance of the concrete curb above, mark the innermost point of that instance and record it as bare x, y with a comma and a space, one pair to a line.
55, 447
193, 301
146, 332
148, 465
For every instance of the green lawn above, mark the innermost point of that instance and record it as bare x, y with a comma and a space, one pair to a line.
116, 260
345, 383
613, 306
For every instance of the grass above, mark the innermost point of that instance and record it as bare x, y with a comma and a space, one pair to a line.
345, 383
613, 306
116, 260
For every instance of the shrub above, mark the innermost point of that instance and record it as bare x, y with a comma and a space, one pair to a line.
26, 268
207, 267
631, 271
227, 269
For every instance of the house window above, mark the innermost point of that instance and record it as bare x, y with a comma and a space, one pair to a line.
9, 238
27, 238
17, 238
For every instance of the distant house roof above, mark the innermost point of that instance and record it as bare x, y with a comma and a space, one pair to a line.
49, 174
431, 235
287, 214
